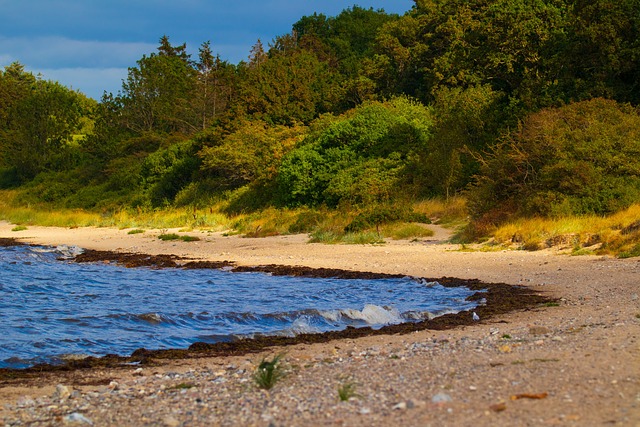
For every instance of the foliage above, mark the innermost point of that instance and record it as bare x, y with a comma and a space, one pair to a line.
37, 124
579, 159
252, 153
269, 372
345, 115
347, 391
357, 158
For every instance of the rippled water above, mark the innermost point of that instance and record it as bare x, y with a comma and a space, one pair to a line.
52, 308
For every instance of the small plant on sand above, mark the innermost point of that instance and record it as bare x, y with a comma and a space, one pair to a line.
346, 391
168, 236
19, 228
269, 372
135, 231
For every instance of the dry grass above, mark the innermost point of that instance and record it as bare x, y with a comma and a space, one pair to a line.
451, 212
617, 234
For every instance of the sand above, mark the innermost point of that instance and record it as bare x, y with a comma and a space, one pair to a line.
575, 363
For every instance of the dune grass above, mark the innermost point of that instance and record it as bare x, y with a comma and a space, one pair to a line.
617, 234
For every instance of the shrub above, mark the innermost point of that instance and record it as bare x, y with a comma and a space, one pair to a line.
583, 158
357, 158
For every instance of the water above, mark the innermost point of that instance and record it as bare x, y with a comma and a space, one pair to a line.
52, 309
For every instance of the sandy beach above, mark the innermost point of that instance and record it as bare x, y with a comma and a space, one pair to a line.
572, 363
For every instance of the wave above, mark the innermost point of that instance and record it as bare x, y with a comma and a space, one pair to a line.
371, 314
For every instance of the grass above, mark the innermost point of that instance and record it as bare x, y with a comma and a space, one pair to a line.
268, 373
450, 212
347, 391
174, 236
19, 228
406, 231
617, 234
360, 238
136, 231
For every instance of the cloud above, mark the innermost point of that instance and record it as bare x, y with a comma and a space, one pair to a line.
93, 82
89, 44
59, 51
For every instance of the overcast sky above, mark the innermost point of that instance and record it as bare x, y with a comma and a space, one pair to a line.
89, 44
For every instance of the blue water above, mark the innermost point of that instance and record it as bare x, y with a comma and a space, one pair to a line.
51, 308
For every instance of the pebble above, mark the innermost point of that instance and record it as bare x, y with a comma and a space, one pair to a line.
62, 392
401, 406
77, 418
169, 421
441, 398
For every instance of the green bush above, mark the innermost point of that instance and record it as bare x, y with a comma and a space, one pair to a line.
583, 158
356, 158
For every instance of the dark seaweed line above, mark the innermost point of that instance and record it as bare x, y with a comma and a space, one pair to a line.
500, 298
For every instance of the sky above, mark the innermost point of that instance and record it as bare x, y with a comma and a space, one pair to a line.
88, 45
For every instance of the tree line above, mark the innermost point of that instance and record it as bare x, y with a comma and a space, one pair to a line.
526, 106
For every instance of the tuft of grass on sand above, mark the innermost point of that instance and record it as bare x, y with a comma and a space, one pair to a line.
19, 228
406, 231
174, 236
360, 238
269, 372
136, 231
347, 391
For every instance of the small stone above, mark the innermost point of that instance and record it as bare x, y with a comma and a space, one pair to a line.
557, 338
365, 411
169, 421
441, 398
77, 418
473, 388
62, 392
25, 401
498, 407
401, 406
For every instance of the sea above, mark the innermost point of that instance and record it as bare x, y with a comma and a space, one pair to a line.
53, 309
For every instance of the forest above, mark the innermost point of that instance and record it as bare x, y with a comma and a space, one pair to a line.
503, 111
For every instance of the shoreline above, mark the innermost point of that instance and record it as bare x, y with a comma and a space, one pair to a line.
584, 354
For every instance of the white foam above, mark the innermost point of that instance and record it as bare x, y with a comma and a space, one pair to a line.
371, 314
429, 284
302, 326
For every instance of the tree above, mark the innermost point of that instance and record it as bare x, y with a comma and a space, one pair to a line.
38, 128
290, 86
360, 157
582, 158
216, 86
602, 52
156, 96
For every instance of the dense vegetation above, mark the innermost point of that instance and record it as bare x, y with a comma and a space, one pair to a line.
525, 107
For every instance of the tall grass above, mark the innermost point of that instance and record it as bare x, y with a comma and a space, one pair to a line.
42, 215
617, 234
450, 212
